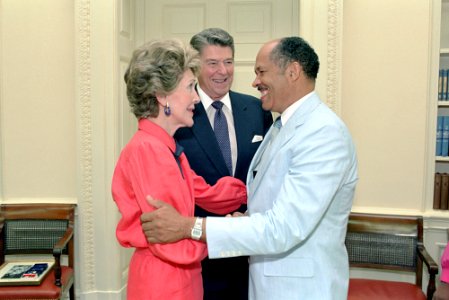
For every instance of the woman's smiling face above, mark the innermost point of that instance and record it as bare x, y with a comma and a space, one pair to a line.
182, 101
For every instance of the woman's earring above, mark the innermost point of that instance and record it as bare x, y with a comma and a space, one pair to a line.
167, 110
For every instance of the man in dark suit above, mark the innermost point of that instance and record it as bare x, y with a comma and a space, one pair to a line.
246, 123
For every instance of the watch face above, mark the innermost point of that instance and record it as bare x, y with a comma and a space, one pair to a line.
197, 229
196, 233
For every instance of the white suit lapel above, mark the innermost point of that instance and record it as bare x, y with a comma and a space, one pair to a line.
261, 159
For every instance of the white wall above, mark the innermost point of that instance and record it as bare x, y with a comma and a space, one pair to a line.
384, 92
37, 129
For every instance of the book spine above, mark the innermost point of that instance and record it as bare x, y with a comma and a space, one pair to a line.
447, 85
439, 139
444, 200
440, 84
437, 191
445, 138
444, 87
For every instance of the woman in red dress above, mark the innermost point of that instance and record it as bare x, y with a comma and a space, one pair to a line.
160, 81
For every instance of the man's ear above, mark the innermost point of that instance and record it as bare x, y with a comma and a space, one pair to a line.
294, 70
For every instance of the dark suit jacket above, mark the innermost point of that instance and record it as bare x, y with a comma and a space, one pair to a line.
224, 278
201, 147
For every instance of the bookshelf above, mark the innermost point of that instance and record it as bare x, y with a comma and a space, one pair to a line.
440, 44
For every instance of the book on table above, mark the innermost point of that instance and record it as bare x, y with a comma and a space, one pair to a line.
24, 272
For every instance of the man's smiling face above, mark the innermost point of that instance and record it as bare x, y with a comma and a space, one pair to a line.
270, 81
217, 71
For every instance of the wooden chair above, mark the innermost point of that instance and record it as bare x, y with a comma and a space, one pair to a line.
388, 242
39, 229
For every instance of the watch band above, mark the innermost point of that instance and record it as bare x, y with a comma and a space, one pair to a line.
197, 229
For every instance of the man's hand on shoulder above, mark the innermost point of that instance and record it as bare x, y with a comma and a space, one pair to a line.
165, 224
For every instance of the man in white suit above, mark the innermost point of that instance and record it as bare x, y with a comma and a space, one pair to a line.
300, 186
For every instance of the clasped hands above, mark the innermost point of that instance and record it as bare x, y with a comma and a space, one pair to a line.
165, 224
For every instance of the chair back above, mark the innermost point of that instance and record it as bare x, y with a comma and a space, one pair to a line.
43, 229
34, 228
386, 242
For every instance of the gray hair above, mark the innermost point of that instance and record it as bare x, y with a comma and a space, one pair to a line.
157, 67
212, 36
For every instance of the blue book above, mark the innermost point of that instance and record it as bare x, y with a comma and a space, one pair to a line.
440, 84
438, 149
445, 139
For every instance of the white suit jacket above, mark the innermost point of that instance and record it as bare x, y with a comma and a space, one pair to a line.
298, 205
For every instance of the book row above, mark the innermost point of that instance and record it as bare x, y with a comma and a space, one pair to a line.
442, 139
443, 94
441, 191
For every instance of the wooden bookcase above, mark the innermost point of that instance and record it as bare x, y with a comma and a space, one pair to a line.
440, 49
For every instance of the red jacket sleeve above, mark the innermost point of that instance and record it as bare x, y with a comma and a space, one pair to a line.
226, 196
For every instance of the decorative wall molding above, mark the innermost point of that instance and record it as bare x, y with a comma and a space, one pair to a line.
85, 222
334, 16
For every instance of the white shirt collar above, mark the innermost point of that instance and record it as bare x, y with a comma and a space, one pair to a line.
294, 107
207, 101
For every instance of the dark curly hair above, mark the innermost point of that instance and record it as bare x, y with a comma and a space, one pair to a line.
291, 49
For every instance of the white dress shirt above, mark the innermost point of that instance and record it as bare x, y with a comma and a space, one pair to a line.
227, 110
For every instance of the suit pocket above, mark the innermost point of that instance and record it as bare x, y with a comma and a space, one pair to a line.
289, 267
